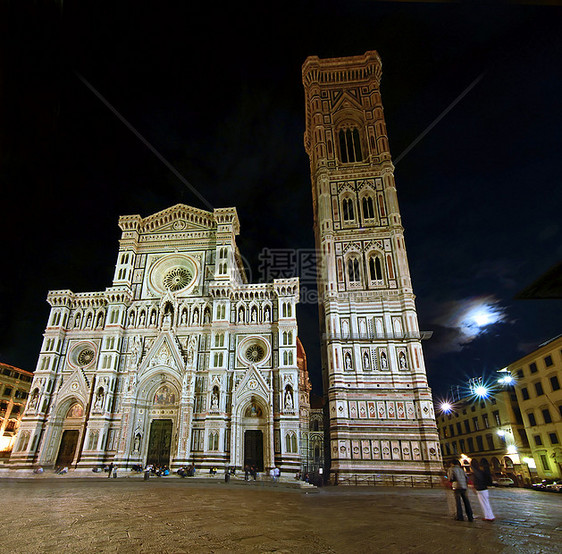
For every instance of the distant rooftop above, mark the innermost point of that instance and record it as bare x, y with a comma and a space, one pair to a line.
547, 286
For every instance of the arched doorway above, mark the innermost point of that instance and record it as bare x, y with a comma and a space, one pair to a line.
70, 435
253, 448
255, 436
162, 420
159, 442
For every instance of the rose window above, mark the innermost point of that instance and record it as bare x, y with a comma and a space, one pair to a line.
177, 278
255, 353
85, 357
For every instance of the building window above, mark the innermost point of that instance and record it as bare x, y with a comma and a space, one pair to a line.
353, 270
532, 420
538, 388
538, 440
544, 462
520, 374
486, 421
548, 361
554, 383
553, 438
497, 418
470, 442
375, 268
347, 209
525, 393
490, 441
459, 431
475, 424
7, 391
350, 145
368, 208
479, 443
546, 415
466, 426
533, 367
452, 430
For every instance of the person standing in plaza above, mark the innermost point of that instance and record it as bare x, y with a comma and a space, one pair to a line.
481, 480
457, 476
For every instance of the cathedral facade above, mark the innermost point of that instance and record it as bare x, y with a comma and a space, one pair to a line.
180, 361
380, 419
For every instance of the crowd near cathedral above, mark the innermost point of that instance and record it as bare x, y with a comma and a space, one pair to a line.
181, 361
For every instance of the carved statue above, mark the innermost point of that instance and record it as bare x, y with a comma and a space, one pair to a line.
99, 399
215, 400
288, 399
136, 351
191, 347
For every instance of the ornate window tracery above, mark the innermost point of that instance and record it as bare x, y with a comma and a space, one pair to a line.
350, 145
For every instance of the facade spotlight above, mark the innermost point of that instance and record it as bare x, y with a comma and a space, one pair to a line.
501, 433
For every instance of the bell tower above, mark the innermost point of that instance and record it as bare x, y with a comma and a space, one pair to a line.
381, 420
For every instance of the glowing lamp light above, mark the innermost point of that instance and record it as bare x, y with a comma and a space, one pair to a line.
501, 433
446, 407
512, 449
481, 391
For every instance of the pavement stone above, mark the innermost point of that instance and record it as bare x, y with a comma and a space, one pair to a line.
172, 515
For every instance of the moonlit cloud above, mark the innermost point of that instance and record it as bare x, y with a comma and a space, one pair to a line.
459, 322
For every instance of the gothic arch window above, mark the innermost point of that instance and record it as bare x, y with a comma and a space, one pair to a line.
291, 442
368, 207
375, 268
348, 209
353, 271
350, 145
214, 440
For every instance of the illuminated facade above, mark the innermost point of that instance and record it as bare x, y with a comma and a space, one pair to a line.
14, 390
180, 361
491, 430
381, 419
539, 378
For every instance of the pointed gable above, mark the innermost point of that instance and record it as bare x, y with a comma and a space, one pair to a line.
165, 352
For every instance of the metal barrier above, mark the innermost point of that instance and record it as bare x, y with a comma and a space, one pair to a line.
411, 481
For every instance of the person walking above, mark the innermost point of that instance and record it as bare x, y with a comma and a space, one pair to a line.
457, 476
481, 479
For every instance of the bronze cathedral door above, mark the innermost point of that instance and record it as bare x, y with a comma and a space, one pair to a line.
67, 448
159, 442
253, 449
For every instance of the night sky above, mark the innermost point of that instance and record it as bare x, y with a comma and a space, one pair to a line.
217, 92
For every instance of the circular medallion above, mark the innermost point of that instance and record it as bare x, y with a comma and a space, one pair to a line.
254, 350
255, 353
177, 278
174, 273
252, 384
85, 357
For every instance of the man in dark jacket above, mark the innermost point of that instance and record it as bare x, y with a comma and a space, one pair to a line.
457, 476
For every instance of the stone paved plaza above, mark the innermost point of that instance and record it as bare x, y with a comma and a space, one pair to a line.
62, 514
